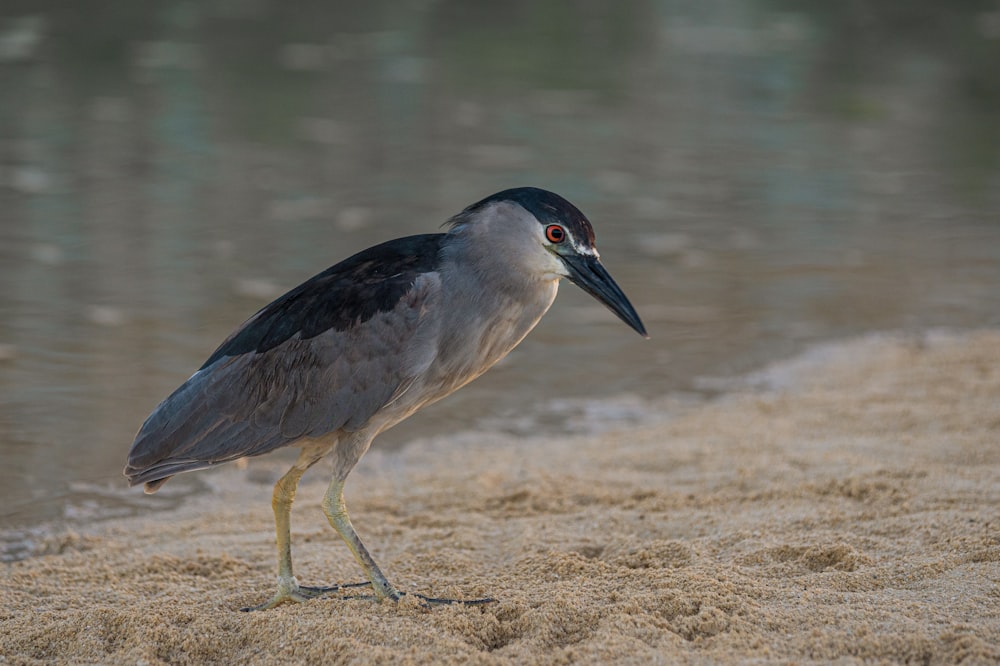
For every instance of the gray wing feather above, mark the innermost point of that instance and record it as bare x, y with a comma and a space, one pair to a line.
254, 403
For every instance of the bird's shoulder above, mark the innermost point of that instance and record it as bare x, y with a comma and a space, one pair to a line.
342, 297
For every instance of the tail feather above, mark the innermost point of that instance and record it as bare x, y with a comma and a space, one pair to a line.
152, 486
156, 475
189, 431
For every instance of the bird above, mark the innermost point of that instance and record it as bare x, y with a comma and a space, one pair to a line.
366, 343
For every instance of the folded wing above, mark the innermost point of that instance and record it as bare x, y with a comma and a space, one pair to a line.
324, 357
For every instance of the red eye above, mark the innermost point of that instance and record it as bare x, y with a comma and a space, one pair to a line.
555, 234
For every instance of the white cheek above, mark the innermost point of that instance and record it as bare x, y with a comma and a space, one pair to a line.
554, 267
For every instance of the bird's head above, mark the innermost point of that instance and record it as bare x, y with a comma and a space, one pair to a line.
554, 238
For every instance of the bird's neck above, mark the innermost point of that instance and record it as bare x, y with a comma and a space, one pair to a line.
499, 262
490, 305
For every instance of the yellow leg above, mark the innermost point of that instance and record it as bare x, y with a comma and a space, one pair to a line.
281, 503
336, 513
289, 589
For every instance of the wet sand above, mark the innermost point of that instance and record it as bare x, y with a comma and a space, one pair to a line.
843, 505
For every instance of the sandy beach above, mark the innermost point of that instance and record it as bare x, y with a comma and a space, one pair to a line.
842, 506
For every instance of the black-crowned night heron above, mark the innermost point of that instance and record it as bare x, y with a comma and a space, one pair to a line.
365, 344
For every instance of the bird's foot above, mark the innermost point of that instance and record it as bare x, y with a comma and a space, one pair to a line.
289, 591
292, 592
437, 601
383, 589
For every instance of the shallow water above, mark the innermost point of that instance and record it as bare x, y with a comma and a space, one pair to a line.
761, 176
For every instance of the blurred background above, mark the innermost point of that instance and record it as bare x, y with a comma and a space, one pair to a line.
762, 175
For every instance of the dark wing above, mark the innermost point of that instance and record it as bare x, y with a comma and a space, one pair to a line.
325, 356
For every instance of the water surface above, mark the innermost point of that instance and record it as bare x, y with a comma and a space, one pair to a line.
761, 176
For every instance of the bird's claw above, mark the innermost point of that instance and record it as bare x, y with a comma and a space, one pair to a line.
320, 591
436, 601
301, 593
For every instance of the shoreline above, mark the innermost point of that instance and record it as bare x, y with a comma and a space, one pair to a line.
841, 504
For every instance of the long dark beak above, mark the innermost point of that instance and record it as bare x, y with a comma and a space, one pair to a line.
589, 274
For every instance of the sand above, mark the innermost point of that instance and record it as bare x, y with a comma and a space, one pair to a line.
842, 506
